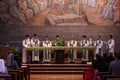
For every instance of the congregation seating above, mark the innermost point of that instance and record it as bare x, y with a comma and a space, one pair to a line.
111, 77
89, 75
9, 74
104, 73
19, 74
6, 77
16, 74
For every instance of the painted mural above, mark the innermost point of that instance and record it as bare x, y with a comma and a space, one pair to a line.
60, 12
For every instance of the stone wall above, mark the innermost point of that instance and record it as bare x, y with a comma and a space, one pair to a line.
17, 33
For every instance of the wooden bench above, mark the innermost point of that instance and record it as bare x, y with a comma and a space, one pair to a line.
6, 77
108, 76
111, 77
103, 73
17, 73
24, 72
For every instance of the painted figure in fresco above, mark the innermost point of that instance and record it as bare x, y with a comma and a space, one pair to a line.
47, 52
89, 3
100, 5
116, 8
26, 43
75, 1
16, 14
42, 4
35, 43
93, 3
84, 43
66, 4
38, 3
72, 56
45, 5
33, 5
85, 2
22, 6
58, 7
98, 45
49, 3
108, 10
5, 18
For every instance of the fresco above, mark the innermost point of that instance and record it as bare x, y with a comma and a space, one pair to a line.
60, 12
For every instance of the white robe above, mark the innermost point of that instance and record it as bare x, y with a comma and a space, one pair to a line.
98, 45
46, 53
73, 43
111, 45
47, 44
84, 43
25, 43
35, 53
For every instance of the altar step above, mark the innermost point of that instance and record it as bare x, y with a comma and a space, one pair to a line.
56, 72
66, 61
57, 68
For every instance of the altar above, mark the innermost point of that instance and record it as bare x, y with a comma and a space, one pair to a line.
61, 50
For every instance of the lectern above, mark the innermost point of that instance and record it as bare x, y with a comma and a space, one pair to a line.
59, 59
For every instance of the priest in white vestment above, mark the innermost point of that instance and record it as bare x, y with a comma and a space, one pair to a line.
98, 45
47, 53
84, 43
72, 56
25, 43
35, 43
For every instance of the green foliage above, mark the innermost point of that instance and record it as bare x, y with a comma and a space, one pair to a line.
15, 49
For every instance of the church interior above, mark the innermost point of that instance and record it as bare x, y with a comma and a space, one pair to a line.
59, 39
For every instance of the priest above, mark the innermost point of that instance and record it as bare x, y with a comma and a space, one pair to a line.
35, 43
59, 53
111, 45
72, 56
25, 43
84, 43
47, 53
98, 45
